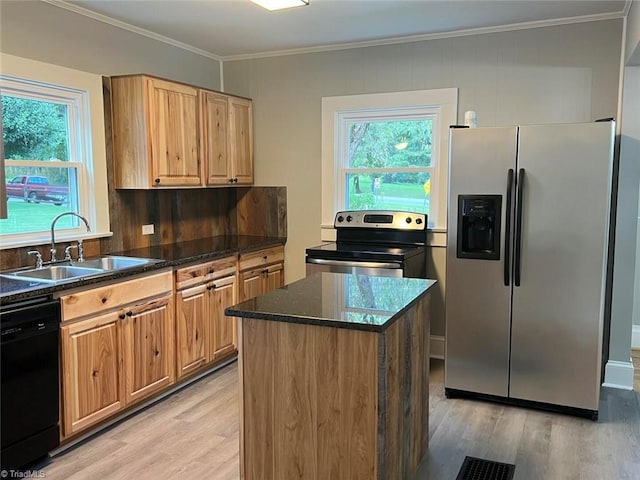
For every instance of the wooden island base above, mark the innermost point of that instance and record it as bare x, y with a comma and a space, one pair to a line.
320, 402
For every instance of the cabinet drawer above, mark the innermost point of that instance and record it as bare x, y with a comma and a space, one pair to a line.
261, 257
102, 299
203, 272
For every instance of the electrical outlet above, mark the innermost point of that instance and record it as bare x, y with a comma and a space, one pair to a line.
147, 229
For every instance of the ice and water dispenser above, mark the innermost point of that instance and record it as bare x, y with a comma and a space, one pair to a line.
479, 226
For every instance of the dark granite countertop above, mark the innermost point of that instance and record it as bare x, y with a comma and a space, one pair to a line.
167, 255
357, 302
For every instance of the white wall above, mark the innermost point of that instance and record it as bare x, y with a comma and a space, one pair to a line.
544, 75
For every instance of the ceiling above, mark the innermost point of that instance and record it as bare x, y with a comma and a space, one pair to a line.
228, 29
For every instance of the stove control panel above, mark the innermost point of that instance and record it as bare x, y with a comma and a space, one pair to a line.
388, 219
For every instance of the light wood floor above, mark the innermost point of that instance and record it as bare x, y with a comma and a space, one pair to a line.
193, 434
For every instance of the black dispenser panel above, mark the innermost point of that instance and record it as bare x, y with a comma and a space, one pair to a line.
479, 226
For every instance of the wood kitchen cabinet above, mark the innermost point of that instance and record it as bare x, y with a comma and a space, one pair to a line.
168, 134
226, 139
117, 348
204, 334
147, 340
260, 272
154, 125
92, 381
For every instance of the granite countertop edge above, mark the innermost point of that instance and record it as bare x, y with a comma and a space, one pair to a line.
238, 311
159, 264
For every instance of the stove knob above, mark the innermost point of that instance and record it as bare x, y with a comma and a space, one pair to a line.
418, 221
408, 220
349, 218
340, 219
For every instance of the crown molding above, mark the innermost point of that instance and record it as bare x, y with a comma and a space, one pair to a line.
131, 28
342, 46
430, 36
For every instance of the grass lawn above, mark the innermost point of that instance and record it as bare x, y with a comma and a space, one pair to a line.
407, 190
392, 196
34, 217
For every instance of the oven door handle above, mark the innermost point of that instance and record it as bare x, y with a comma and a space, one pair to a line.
320, 261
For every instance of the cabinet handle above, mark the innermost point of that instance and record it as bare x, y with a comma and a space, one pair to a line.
212, 270
235, 180
265, 257
210, 287
231, 180
122, 316
129, 313
157, 180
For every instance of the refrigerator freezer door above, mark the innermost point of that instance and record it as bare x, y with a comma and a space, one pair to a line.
477, 300
557, 311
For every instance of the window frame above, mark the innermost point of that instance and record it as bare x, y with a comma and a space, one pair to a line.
82, 92
442, 103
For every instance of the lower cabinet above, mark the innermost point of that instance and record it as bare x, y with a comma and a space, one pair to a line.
223, 336
147, 332
260, 272
116, 350
126, 341
191, 329
92, 380
204, 333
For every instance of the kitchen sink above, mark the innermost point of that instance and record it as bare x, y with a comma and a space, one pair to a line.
57, 273
68, 272
115, 263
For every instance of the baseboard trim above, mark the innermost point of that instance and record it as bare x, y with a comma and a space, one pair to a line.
436, 346
618, 375
635, 336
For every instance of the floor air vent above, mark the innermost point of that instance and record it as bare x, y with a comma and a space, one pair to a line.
479, 469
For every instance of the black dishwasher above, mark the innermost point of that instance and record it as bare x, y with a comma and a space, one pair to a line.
30, 381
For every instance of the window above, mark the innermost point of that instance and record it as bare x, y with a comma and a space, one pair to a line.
387, 152
54, 158
43, 155
387, 162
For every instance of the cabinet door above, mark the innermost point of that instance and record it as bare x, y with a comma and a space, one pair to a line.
191, 329
222, 294
148, 348
251, 284
274, 277
172, 133
241, 153
214, 134
92, 382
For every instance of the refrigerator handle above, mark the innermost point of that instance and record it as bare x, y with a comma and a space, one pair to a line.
507, 228
518, 239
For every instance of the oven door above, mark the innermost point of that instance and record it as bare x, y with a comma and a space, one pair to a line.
380, 269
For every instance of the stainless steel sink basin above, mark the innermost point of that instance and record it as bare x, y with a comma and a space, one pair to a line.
115, 263
68, 272
57, 273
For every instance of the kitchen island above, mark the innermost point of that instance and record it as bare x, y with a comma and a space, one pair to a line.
334, 378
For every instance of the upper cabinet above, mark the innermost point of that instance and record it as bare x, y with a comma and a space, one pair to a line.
168, 134
226, 146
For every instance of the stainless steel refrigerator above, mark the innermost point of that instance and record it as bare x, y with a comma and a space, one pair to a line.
527, 238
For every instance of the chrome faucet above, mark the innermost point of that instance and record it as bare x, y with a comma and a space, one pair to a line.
53, 224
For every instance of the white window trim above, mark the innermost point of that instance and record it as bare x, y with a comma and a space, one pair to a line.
93, 143
444, 101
